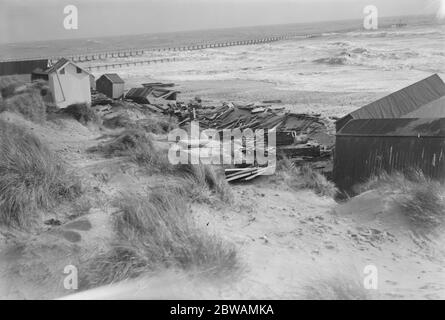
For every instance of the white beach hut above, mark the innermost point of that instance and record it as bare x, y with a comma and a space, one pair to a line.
69, 83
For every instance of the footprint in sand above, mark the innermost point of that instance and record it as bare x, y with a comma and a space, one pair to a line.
72, 236
79, 225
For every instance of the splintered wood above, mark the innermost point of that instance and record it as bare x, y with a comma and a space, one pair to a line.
246, 174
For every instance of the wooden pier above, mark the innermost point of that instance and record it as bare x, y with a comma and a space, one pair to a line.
97, 56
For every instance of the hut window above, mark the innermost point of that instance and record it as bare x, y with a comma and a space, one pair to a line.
78, 70
62, 71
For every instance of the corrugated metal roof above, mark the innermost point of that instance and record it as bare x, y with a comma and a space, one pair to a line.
341, 122
60, 64
402, 127
400, 103
147, 92
302, 122
403, 101
157, 85
113, 77
435, 109
138, 92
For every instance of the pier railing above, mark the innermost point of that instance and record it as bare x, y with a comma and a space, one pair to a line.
127, 64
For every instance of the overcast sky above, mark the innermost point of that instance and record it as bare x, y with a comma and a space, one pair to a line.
27, 20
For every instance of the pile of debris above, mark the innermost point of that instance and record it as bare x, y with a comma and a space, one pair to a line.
153, 94
246, 174
302, 138
305, 133
100, 99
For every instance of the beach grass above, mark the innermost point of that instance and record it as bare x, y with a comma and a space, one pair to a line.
32, 177
157, 231
304, 177
420, 199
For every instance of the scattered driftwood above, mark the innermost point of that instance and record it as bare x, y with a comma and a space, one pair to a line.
299, 137
99, 99
301, 150
296, 135
271, 101
245, 174
158, 85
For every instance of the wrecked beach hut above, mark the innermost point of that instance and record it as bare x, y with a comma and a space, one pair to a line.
400, 103
158, 85
367, 147
111, 85
39, 74
68, 83
151, 95
288, 126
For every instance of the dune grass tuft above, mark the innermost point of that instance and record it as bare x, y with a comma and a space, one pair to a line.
31, 177
198, 182
304, 177
157, 124
24, 98
138, 146
29, 103
157, 231
81, 112
200, 179
420, 198
8, 84
125, 144
147, 156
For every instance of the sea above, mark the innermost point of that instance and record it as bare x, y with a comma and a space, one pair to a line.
337, 55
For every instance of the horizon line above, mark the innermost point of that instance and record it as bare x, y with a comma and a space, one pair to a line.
209, 29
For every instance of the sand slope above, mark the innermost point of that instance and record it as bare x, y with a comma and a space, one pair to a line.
293, 244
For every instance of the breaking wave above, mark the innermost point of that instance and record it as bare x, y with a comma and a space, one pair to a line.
395, 34
361, 56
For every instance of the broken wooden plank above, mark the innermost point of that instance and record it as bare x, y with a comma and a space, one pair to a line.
237, 177
260, 172
300, 151
241, 173
237, 169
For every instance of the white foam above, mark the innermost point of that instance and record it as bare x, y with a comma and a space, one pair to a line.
355, 61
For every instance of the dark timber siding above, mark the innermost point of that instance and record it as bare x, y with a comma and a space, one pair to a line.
104, 86
111, 85
360, 155
22, 67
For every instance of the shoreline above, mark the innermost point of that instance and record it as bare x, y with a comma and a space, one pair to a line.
215, 92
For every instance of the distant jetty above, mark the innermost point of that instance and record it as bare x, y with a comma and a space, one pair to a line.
400, 24
93, 56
